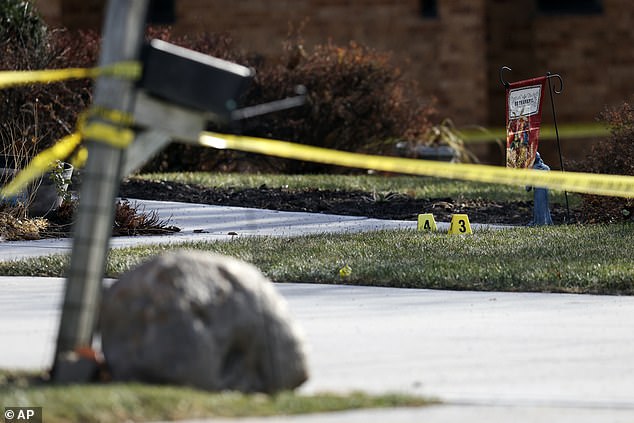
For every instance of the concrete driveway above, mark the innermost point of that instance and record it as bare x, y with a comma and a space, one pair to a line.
541, 357
470, 347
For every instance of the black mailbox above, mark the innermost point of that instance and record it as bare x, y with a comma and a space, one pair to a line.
192, 79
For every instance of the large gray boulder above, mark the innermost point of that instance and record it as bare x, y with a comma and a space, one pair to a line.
202, 320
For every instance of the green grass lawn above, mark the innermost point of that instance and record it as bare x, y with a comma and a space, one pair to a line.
594, 259
121, 402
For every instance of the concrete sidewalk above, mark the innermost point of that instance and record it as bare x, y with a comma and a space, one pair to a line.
452, 413
492, 357
203, 222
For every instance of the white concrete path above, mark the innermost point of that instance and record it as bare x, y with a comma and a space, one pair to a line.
199, 222
203, 222
514, 356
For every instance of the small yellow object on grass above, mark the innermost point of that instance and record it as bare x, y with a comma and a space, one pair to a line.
345, 271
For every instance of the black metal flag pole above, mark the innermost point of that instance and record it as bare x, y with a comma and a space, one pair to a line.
551, 89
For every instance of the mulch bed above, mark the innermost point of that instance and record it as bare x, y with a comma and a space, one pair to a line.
351, 203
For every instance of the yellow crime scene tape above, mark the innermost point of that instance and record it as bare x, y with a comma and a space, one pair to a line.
546, 132
589, 183
113, 129
128, 70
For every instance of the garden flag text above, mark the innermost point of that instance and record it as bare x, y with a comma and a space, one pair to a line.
523, 118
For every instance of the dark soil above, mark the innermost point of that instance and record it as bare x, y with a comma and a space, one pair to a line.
352, 203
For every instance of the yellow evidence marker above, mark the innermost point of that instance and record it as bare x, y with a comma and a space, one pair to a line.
460, 224
426, 222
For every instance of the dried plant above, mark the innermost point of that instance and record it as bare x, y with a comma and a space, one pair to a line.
383, 197
446, 133
14, 225
129, 220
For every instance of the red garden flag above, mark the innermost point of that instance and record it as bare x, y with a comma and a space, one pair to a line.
523, 118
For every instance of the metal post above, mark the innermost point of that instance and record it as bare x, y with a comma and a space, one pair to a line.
122, 39
552, 104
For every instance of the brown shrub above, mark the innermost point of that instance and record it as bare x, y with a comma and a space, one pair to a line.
35, 116
356, 101
614, 155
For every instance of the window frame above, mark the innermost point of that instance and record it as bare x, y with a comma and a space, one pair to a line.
570, 7
428, 9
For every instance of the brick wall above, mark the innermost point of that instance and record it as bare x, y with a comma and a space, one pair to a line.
83, 13
593, 53
455, 57
51, 10
444, 54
